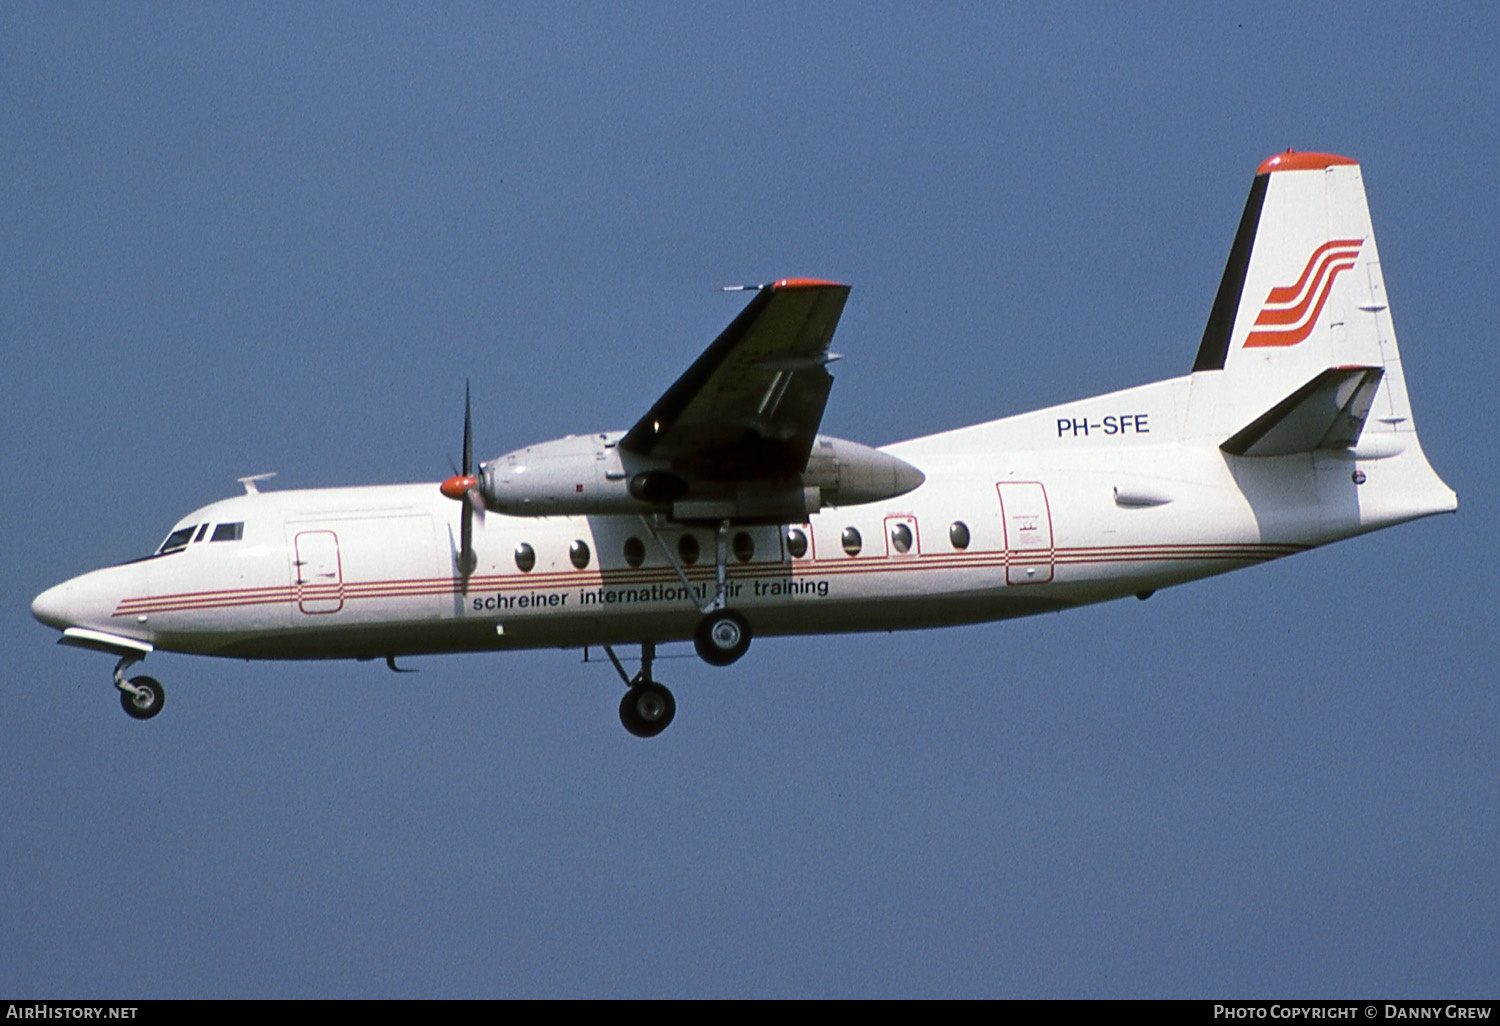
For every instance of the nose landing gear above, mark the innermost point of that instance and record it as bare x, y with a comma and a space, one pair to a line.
144, 699
140, 697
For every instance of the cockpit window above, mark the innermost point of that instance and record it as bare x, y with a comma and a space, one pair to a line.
229, 532
177, 540
201, 532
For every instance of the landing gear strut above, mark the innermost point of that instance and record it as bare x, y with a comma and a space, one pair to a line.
648, 707
140, 697
723, 635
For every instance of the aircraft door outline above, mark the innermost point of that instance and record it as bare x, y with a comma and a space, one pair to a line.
1026, 518
319, 572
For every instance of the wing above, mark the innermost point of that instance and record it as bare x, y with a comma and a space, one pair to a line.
750, 406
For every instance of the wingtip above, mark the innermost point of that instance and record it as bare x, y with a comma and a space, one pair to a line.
789, 284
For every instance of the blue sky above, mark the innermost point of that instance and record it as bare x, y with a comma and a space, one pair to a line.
279, 237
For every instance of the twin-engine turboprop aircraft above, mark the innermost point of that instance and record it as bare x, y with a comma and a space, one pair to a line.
723, 514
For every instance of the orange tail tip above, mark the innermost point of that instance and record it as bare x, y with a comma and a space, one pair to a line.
1291, 160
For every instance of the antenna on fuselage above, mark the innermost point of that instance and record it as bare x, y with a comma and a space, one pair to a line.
249, 482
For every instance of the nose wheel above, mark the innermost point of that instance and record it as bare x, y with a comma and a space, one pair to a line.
142, 698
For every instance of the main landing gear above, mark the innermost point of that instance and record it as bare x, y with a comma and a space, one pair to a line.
723, 635
648, 707
140, 697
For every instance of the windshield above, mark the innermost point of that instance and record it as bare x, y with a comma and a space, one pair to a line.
177, 540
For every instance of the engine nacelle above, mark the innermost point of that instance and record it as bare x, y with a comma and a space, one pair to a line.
847, 473
577, 474
589, 474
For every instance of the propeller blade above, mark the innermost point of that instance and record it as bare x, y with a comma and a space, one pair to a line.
467, 558
468, 435
464, 487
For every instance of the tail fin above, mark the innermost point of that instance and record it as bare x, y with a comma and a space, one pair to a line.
1302, 294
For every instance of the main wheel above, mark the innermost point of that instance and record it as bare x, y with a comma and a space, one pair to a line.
722, 637
147, 700
647, 709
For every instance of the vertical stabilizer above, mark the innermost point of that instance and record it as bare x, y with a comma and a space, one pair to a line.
1302, 293
1299, 361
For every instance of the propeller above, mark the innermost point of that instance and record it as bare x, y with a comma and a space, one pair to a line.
464, 487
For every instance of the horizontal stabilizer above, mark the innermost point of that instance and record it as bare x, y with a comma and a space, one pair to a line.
1326, 413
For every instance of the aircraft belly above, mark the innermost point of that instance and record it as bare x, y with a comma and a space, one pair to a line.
360, 641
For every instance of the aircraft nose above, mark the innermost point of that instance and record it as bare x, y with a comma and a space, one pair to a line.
52, 606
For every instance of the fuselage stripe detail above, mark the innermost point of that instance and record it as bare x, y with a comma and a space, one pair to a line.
440, 586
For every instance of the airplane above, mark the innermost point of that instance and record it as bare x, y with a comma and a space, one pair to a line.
723, 514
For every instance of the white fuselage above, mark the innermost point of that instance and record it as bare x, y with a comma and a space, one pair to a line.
1111, 496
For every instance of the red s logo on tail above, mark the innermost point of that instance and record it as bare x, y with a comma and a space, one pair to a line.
1290, 311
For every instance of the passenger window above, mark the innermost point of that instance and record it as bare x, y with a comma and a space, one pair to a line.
578, 552
687, 548
525, 558
900, 537
177, 540
228, 532
635, 551
744, 547
796, 542
958, 535
852, 541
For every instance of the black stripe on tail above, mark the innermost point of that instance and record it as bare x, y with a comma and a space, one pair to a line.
1215, 345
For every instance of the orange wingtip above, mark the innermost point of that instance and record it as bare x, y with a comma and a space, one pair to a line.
1291, 160
806, 283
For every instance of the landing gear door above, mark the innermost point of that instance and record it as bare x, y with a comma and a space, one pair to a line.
1028, 532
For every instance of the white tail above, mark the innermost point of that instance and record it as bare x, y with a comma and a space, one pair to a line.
1298, 370
1302, 293
1299, 354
